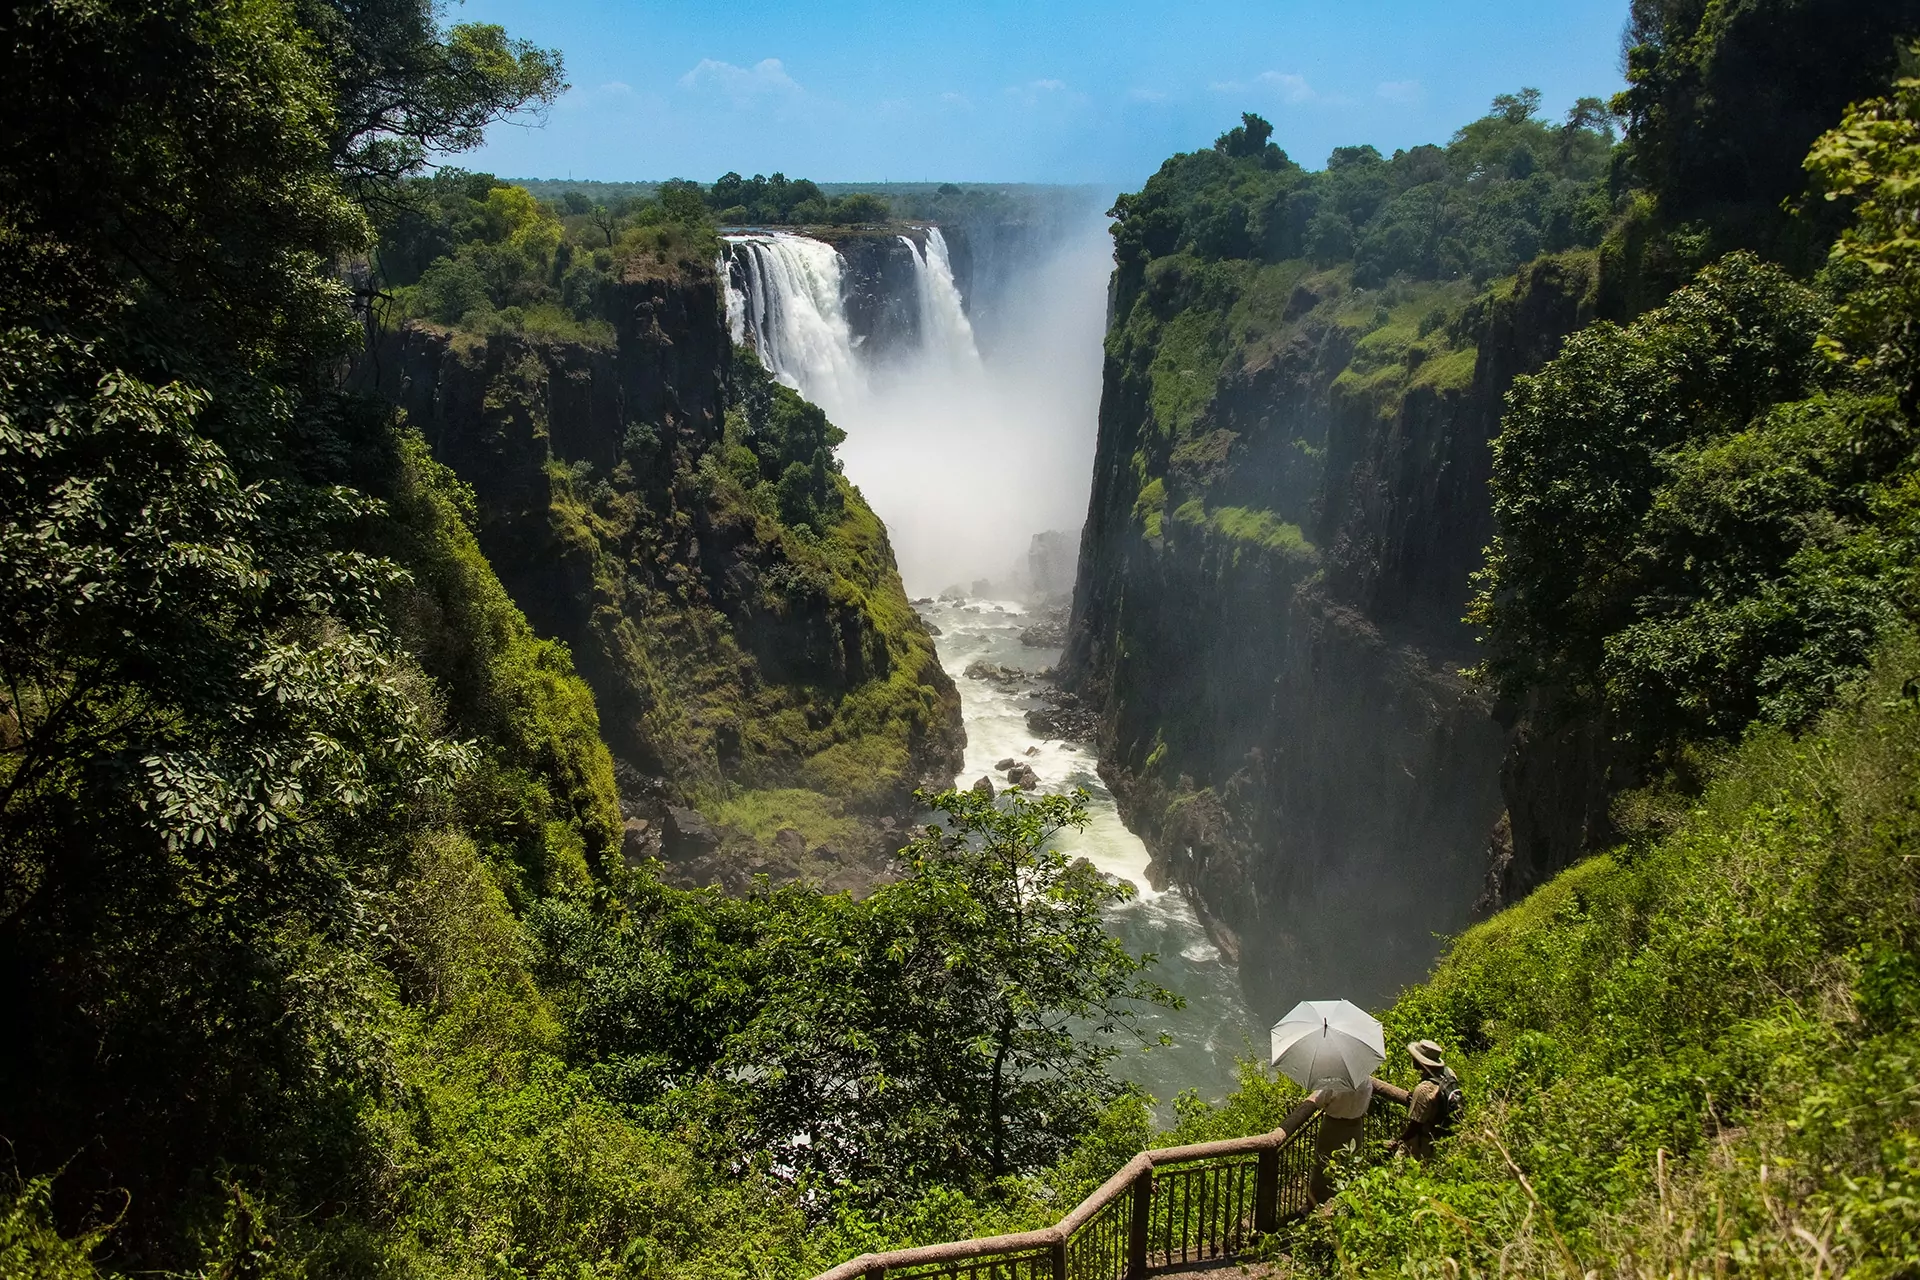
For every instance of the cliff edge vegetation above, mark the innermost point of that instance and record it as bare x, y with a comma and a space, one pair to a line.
320, 950
1307, 447
652, 497
1302, 374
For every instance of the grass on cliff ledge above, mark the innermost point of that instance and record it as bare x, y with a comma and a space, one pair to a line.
1696, 1055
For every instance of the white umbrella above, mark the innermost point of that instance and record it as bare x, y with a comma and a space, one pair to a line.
1328, 1044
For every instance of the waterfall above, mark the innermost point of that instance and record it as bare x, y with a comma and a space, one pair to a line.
945, 331
786, 298
963, 446
787, 301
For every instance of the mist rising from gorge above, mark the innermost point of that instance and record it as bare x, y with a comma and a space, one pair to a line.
968, 443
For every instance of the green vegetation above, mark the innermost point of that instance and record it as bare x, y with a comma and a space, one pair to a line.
1707, 518
470, 252
1691, 1056
320, 952
1691, 1053
773, 201
785, 658
1702, 519
1230, 258
1505, 189
314, 929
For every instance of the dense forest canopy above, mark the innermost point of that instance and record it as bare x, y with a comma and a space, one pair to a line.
313, 923
1507, 187
321, 954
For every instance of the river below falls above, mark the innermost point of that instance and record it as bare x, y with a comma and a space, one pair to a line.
1216, 1027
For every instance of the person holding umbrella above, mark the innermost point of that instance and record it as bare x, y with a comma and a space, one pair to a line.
1330, 1048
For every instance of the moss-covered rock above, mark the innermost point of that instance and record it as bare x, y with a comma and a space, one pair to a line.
679, 521
1289, 500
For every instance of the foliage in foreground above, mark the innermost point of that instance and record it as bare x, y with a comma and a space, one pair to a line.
1695, 1054
1706, 517
284, 773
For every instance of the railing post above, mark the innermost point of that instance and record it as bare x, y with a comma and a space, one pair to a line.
878, 1271
1137, 1228
1058, 1253
1266, 1190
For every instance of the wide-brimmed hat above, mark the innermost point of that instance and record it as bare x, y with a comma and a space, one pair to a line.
1426, 1053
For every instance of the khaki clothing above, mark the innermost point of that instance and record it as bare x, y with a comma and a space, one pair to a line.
1426, 1112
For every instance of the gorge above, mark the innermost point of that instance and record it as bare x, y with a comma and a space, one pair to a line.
576, 730
876, 328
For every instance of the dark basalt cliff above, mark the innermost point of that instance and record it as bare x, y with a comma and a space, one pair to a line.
774, 680
1289, 500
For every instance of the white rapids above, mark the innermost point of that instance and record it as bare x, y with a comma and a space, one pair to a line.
963, 458
1216, 1027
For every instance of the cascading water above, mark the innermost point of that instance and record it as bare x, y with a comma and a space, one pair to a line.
788, 303
945, 331
964, 458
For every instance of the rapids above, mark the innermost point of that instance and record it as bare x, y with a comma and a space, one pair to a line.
1216, 1026
964, 458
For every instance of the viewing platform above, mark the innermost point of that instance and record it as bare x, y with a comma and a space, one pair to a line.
1173, 1211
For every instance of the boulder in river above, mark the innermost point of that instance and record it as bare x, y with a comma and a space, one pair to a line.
1006, 764
984, 785
981, 669
1067, 719
1048, 633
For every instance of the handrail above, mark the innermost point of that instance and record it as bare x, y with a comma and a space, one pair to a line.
1133, 1176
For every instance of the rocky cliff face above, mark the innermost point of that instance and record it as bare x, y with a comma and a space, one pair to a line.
881, 282
1289, 500
774, 680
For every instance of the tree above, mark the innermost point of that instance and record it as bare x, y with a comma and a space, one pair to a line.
1517, 108
958, 1024
605, 221
1873, 159
214, 748
1699, 521
1248, 138
1723, 100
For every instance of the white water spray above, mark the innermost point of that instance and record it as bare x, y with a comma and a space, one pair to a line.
964, 456
790, 299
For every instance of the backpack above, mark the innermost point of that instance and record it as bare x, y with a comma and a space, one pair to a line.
1453, 1100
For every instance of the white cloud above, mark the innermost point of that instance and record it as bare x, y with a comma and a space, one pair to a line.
1145, 95
1289, 88
957, 100
617, 88
1401, 90
765, 78
1034, 92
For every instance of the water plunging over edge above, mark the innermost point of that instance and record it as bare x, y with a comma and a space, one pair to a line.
790, 307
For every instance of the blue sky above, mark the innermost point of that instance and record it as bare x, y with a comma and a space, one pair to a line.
1028, 90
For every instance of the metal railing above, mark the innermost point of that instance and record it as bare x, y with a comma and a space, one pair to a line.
1166, 1210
